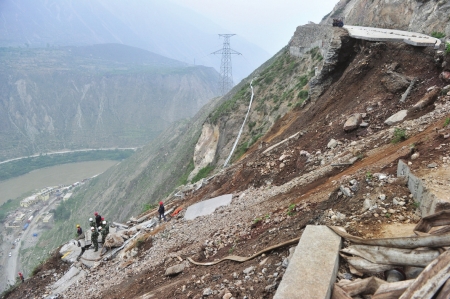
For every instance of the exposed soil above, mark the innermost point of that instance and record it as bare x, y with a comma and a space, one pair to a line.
44, 274
283, 215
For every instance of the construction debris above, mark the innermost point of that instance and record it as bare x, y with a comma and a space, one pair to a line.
400, 259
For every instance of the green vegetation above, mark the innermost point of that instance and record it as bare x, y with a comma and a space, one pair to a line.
438, 34
388, 215
184, 178
256, 220
399, 135
447, 48
290, 210
148, 207
9, 289
226, 107
7, 207
447, 121
369, 176
62, 212
416, 205
303, 95
203, 173
23, 166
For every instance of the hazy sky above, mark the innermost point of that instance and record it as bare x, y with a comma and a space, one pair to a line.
268, 23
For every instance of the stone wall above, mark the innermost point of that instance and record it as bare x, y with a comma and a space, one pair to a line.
310, 36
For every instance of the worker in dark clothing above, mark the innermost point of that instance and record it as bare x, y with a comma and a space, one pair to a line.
80, 234
161, 211
103, 232
21, 277
94, 238
105, 226
98, 219
79, 230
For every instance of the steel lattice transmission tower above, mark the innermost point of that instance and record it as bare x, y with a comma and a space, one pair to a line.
226, 80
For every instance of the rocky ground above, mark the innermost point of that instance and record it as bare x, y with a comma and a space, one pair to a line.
331, 173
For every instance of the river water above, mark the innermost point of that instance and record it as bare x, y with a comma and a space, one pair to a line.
51, 176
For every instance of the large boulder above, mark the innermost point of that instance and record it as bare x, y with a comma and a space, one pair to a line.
332, 143
396, 118
445, 76
114, 240
175, 269
426, 100
353, 122
395, 82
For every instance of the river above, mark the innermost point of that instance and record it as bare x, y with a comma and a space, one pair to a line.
51, 176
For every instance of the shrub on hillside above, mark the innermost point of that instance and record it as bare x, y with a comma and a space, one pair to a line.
399, 135
437, 34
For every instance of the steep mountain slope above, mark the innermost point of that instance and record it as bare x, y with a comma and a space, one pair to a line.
278, 188
95, 96
158, 26
411, 15
127, 188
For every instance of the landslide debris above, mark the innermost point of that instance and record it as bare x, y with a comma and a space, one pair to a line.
277, 192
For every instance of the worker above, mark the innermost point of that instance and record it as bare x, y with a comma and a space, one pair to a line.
79, 230
94, 238
104, 233
161, 211
105, 226
91, 222
21, 277
98, 219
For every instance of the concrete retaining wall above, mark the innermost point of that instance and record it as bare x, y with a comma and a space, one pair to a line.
428, 202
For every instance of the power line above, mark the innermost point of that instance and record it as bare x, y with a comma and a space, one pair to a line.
226, 75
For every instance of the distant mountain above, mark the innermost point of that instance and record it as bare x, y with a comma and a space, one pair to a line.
106, 95
158, 26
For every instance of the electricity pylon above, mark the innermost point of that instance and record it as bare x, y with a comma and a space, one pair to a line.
226, 80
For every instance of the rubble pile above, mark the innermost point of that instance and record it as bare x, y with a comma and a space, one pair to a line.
414, 267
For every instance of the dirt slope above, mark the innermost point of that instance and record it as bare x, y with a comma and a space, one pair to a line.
276, 194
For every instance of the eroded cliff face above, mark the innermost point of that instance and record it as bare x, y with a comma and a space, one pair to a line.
205, 149
48, 103
425, 16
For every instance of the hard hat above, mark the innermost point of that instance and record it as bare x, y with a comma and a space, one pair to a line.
92, 228
160, 203
104, 222
20, 273
103, 218
99, 228
96, 214
90, 219
78, 225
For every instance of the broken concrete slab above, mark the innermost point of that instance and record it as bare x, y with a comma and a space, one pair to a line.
70, 251
313, 268
69, 278
391, 35
175, 269
90, 257
207, 207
